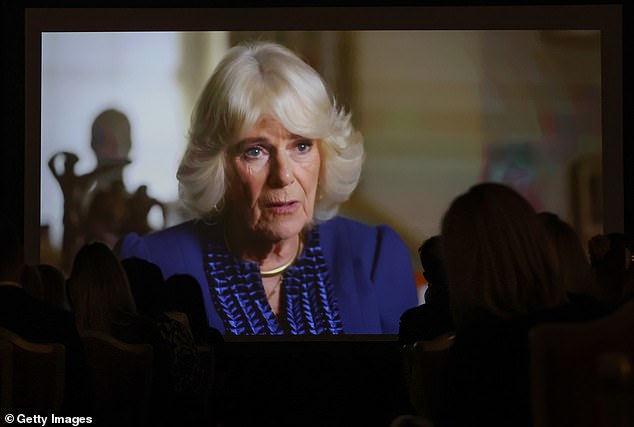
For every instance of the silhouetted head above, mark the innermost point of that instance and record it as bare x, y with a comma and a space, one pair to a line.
497, 255
147, 285
576, 272
430, 258
98, 288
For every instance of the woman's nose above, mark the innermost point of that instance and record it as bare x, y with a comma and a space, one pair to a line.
281, 174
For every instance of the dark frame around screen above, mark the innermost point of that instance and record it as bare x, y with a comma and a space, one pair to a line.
605, 18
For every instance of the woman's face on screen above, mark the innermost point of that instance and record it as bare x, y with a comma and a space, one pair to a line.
273, 177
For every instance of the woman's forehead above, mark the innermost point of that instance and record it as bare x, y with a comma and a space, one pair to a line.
267, 126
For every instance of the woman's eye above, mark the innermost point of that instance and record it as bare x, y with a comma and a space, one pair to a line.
253, 152
305, 145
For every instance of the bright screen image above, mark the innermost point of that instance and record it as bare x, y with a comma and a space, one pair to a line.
438, 110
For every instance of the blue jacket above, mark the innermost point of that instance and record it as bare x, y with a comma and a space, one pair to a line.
369, 267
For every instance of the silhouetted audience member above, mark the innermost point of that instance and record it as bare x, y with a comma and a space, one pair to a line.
577, 276
102, 301
147, 286
36, 321
54, 286
187, 373
433, 318
611, 258
503, 278
183, 294
46, 283
32, 282
101, 297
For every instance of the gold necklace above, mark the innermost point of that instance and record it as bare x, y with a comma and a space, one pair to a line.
282, 268
275, 289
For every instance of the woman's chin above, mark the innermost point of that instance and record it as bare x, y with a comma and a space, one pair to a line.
285, 228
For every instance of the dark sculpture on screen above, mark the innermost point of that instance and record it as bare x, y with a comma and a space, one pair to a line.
97, 205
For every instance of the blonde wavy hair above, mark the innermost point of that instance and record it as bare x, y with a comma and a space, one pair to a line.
264, 78
497, 254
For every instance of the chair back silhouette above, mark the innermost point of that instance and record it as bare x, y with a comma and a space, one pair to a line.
38, 375
120, 379
422, 362
581, 373
6, 376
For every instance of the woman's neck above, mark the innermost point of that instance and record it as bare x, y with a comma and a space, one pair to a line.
268, 254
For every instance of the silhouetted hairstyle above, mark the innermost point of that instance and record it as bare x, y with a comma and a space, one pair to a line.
497, 255
576, 272
431, 260
147, 285
98, 288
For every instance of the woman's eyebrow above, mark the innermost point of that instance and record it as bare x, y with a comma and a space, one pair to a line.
253, 140
265, 140
242, 144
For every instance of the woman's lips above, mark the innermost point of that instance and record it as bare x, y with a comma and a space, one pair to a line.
282, 208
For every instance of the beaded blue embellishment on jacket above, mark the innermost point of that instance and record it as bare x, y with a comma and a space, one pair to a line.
308, 303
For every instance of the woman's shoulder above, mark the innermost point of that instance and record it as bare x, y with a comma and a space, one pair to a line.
353, 232
185, 235
340, 224
184, 230
344, 238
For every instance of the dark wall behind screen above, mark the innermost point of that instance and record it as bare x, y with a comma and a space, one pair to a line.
12, 143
